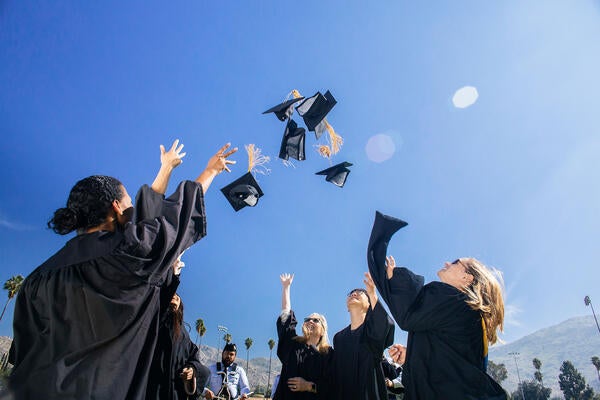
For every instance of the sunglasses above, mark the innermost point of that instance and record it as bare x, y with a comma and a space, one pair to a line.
315, 320
357, 291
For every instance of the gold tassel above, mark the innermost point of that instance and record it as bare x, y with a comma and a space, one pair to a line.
296, 94
256, 160
324, 150
335, 139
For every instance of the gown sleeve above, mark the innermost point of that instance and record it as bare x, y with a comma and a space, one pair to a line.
148, 203
379, 330
153, 245
286, 331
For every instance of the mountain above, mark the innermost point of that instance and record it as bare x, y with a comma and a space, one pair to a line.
576, 339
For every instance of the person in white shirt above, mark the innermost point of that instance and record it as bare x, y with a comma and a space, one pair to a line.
227, 379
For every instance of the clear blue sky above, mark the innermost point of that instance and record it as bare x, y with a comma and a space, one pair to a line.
94, 88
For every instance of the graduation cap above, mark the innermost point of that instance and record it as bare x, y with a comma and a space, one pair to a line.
336, 174
292, 144
245, 191
314, 110
284, 110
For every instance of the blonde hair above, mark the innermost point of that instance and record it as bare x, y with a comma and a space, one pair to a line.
323, 345
485, 295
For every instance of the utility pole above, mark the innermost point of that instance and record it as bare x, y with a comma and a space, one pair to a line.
515, 354
220, 329
588, 302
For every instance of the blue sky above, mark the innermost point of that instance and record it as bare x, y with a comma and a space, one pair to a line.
513, 179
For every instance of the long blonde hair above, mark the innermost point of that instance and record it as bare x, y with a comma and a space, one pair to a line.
323, 345
485, 295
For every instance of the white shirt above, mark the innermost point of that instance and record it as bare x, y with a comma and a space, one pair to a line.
237, 382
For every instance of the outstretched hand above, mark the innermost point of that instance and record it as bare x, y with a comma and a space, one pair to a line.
173, 157
390, 264
286, 279
370, 286
219, 162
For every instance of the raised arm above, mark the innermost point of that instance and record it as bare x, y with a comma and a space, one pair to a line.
217, 164
169, 160
286, 282
371, 292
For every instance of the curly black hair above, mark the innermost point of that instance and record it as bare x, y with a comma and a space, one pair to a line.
89, 202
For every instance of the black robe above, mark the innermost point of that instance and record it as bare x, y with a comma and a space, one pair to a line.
357, 357
444, 358
300, 359
86, 321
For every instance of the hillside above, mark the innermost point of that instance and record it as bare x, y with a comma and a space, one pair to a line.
576, 339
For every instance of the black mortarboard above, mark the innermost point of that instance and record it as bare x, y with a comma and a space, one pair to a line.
336, 174
314, 109
243, 192
292, 144
284, 110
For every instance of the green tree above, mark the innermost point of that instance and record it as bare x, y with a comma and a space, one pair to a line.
227, 338
12, 286
248, 342
271, 344
532, 390
572, 383
596, 362
497, 371
537, 364
200, 330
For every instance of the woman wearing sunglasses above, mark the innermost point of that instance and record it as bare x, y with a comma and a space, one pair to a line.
305, 359
449, 322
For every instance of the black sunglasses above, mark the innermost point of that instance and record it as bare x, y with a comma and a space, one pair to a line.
315, 320
358, 291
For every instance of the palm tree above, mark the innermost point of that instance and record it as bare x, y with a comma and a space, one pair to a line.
248, 344
537, 364
200, 330
227, 338
12, 285
596, 362
271, 345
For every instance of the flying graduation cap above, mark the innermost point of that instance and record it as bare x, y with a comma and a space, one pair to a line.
292, 144
313, 111
336, 174
245, 191
284, 110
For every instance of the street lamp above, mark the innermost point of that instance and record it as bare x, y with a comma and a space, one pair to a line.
515, 354
221, 329
588, 302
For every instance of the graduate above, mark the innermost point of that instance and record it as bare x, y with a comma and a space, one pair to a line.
86, 320
358, 347
176, 371
306, 359
449, 323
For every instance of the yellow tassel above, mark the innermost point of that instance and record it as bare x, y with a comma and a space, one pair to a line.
257, 161
296, 94
335, 139
324, 150
485, 338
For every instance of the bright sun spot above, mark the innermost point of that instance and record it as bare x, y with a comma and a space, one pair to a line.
465, 97
380, 148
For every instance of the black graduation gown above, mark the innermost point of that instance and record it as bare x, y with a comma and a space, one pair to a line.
171, 355
444, 357
86, 321
300, 359
357, 357
391, 372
